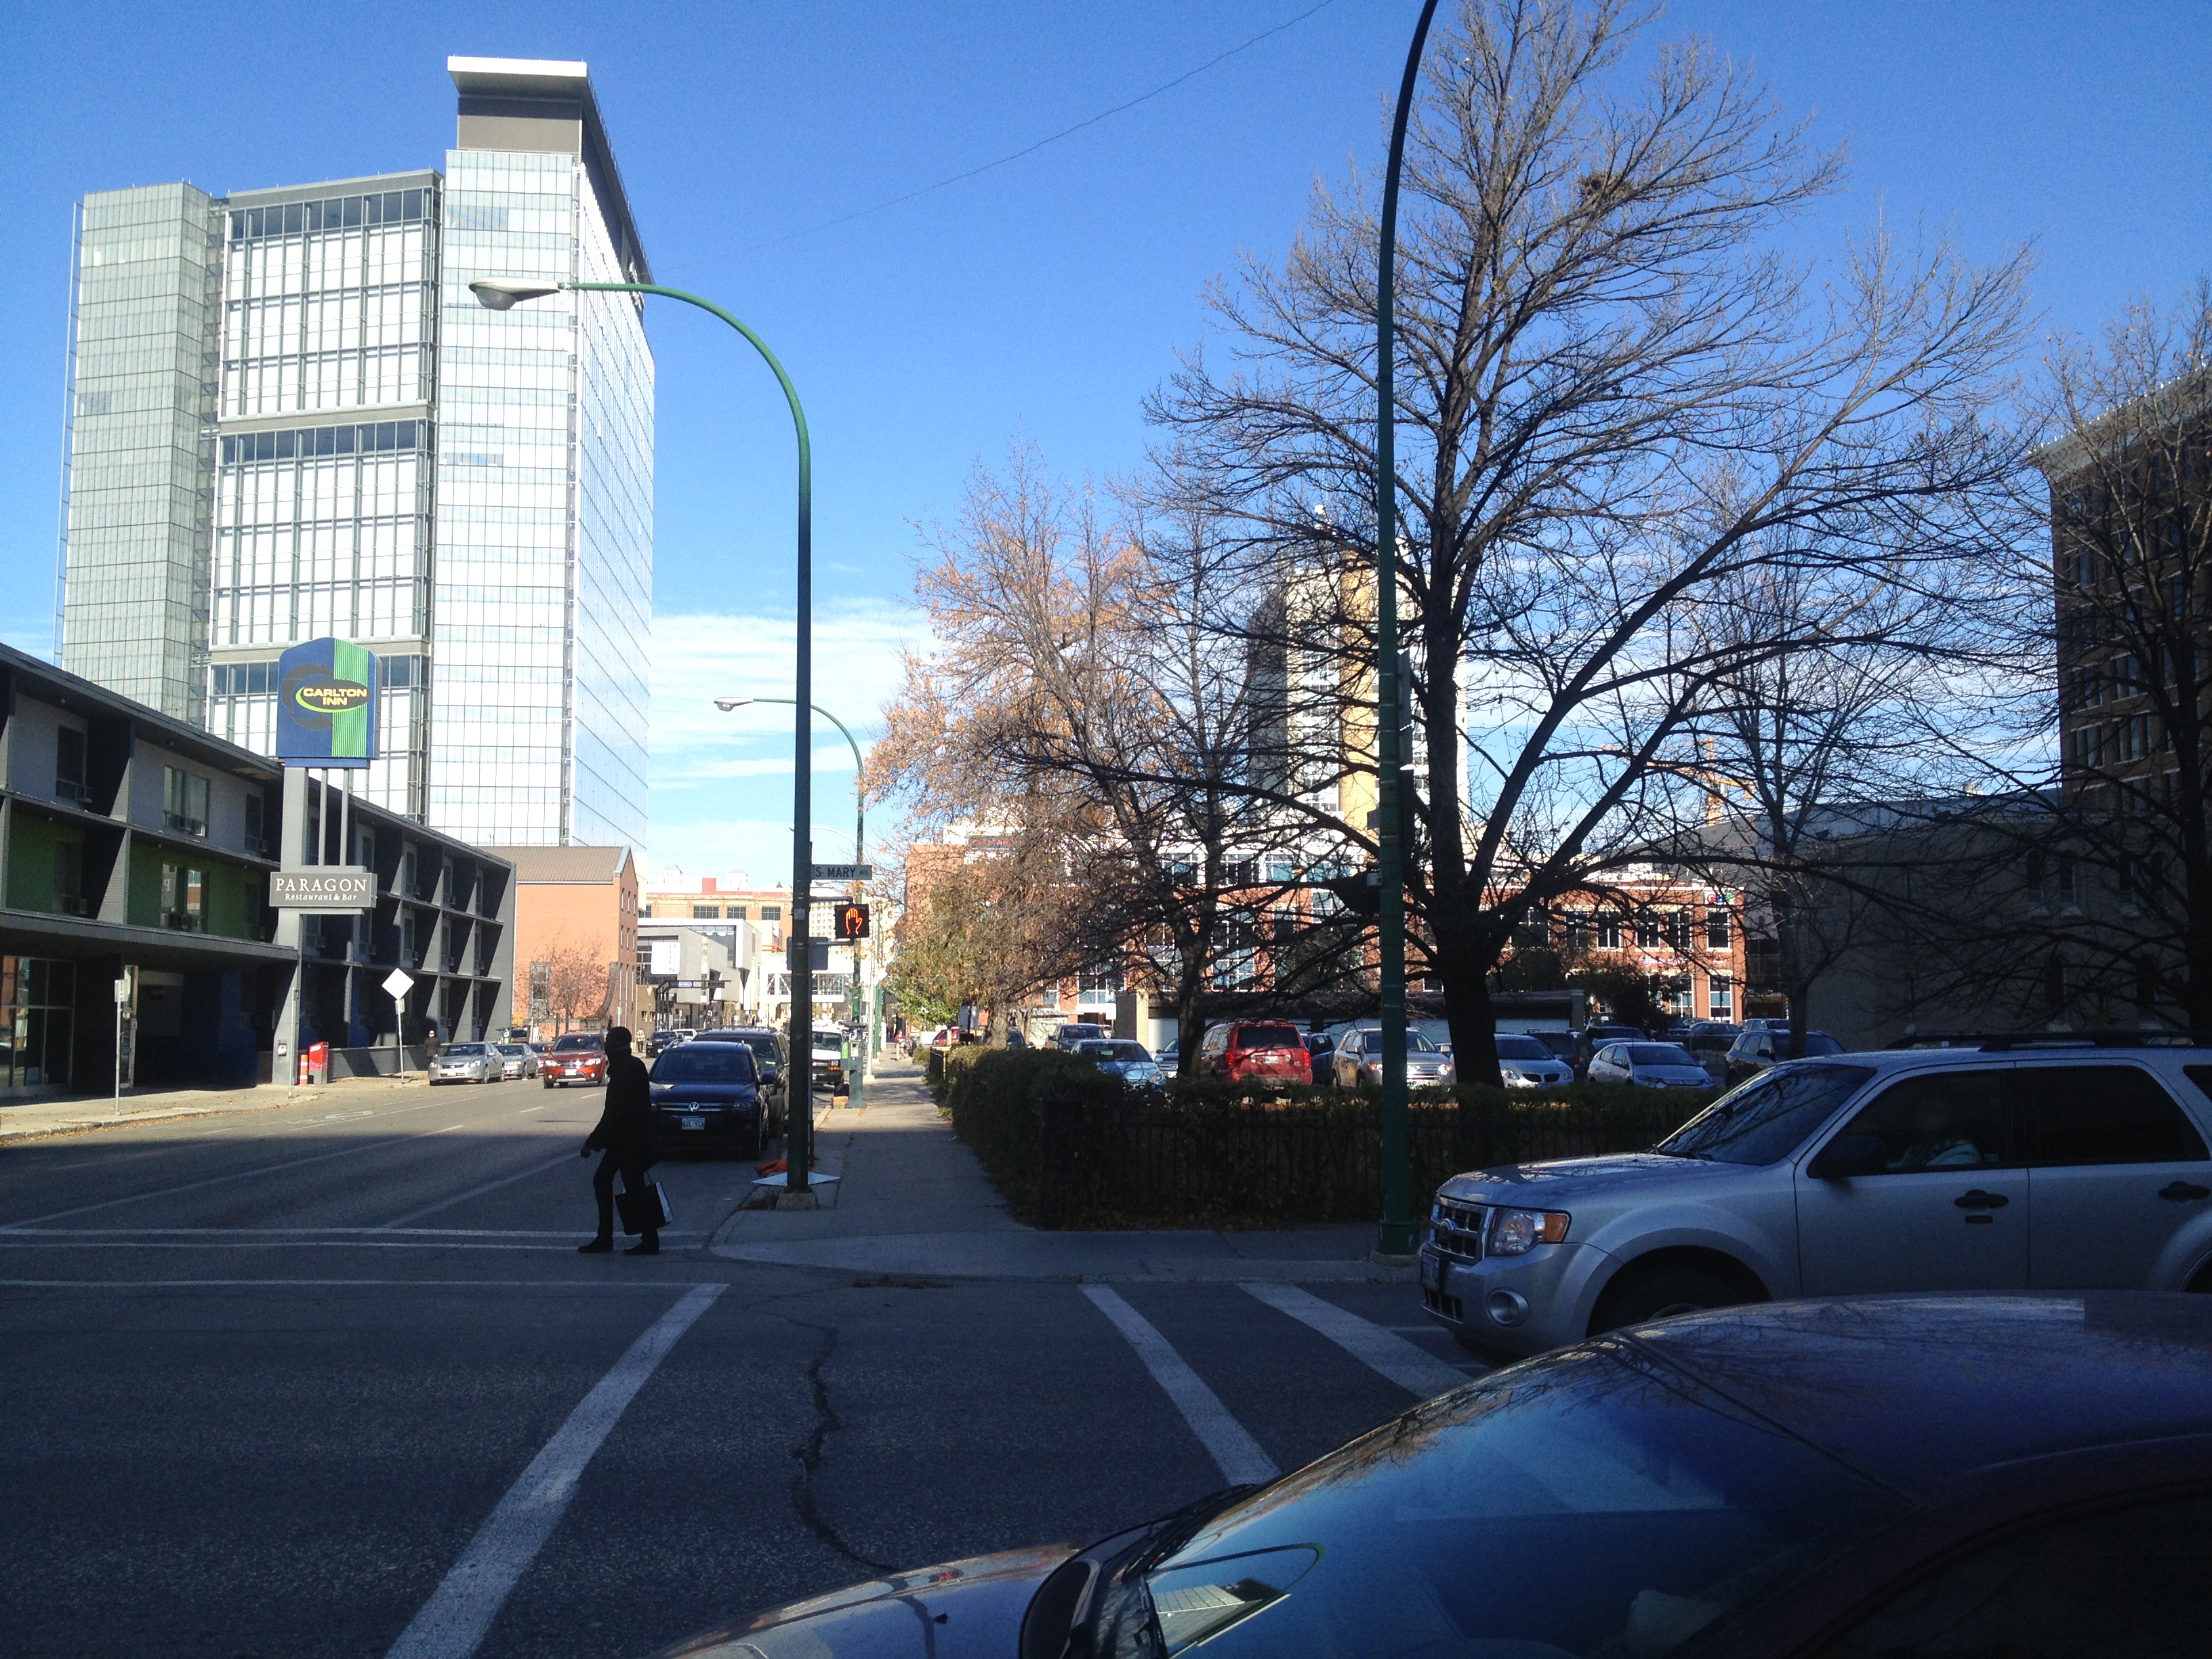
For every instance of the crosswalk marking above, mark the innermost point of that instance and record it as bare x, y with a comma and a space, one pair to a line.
1411, 1367
461, 1610
1236, 1452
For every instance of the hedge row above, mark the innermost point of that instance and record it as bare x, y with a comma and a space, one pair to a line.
1067, 1145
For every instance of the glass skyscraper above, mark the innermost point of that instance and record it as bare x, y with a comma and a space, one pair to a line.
342, 442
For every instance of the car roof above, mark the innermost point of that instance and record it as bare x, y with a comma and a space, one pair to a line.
1925, 1393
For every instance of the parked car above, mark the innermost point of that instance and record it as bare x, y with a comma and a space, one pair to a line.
1168, 1059
708, 1095
830, 1057
1076, 1033
1360, 1059
2025, 1164
1256, 1051
468, 1062
768, 1047
1321, 1053
1757, 1047
519, 1059
1121, 1057
659, 1043
1649, 1066
1561, 1043
1894, 1477
578, 1057
1438, 1032
1709, 1040
1591, 1038
1524, 1062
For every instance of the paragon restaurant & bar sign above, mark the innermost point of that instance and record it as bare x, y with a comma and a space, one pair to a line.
332, 887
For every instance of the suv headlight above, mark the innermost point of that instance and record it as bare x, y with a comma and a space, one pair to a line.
1516, 1232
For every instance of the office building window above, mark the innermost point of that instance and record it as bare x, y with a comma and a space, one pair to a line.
1717, 930
69, 877
1720, 998
705, 913
70, 782
1647, 932
182, 892
184, 802
771, 913
1608, 934
737, 913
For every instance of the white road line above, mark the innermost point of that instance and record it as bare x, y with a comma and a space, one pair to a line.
217, 1181
347, 1284
461, 1610
1236, 1452
476, 1192
1412, 1369
159, 1234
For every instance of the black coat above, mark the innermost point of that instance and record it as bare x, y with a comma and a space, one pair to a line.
625, 1126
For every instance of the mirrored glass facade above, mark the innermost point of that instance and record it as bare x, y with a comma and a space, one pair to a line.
544, 531
140, 412
291, 418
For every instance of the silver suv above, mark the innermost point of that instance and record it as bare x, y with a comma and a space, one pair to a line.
2044, 1164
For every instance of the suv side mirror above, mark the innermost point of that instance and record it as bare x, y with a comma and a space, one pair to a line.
1849, 1155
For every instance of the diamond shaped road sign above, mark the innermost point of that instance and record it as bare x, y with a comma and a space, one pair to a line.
397, 983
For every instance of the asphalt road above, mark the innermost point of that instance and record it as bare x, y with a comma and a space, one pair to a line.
315, 1382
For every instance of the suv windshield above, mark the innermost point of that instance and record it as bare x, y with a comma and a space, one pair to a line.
1764, 1121
1630, 1509
1521, 1047
1118, 1049
705, 1062
577, 1039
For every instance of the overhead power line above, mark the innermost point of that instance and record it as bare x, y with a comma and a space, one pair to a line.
1025, 150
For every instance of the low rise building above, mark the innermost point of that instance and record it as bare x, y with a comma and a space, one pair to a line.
576, 937
137, 944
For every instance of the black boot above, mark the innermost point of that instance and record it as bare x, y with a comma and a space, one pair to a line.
649, 1245
597, 1247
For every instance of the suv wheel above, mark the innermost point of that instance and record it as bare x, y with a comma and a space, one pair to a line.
1661, 1292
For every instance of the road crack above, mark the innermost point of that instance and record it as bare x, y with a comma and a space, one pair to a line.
809, 1455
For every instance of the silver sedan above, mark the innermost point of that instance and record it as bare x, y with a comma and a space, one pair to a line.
521, 1059
1654, 1065
1360, 1059
468, 1062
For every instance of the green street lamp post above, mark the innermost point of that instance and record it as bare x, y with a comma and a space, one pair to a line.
1399, 1233
501, 294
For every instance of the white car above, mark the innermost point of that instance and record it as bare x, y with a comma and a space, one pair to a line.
468, 1062
1651, 1065
1527, 1063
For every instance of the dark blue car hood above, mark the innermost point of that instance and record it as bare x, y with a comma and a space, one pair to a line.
960, 1609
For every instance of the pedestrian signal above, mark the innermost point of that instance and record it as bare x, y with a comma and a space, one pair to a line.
852, 921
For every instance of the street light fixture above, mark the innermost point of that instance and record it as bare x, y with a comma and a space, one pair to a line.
504, 294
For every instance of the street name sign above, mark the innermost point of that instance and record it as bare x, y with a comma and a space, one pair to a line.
334, 887
844, 872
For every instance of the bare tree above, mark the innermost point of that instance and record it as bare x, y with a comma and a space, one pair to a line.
578, 981
1612, 400
1088, 685
2121, 858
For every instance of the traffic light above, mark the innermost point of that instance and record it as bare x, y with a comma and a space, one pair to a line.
852, 921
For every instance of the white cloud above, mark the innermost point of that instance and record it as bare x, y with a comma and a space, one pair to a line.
721, 782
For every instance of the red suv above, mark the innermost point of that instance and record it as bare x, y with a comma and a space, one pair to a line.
578, 1057
1256, 1051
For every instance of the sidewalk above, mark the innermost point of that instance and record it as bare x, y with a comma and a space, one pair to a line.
913, 1203
31, 1120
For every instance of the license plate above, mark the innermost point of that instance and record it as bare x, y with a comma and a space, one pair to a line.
1432, 1273
694, 1122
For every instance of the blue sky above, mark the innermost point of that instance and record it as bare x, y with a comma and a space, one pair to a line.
1044, 297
